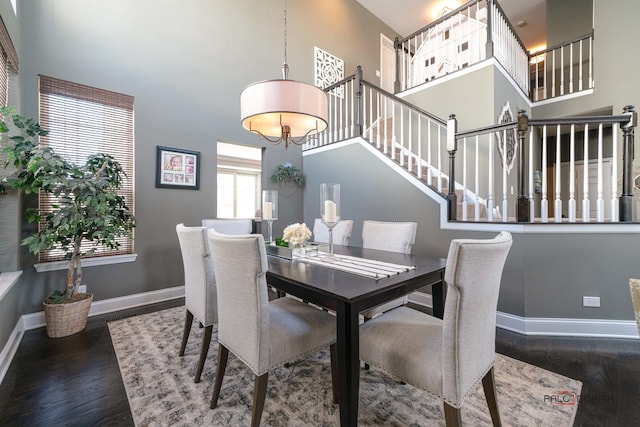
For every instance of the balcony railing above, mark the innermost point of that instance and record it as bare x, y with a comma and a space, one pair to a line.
480, 30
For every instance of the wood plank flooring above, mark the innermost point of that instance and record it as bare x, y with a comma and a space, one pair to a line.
75, 381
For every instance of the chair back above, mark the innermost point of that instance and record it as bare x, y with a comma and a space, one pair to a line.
341, 232
200, 295
472, 275
230, 225
243, 313
389, 236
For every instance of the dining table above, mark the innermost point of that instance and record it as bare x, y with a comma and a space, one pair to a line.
347, 294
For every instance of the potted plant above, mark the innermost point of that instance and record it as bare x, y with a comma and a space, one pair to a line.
287, 173
88, 209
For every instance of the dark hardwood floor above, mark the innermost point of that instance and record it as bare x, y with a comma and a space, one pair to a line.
75, 381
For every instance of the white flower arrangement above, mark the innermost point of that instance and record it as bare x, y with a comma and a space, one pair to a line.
296, 234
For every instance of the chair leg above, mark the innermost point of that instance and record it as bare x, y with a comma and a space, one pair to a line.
188, 320
334, 371
489, 386
206, 341
366, 365
452, 416
223, 356
259, 393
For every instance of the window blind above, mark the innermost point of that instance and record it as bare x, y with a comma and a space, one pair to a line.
81, 121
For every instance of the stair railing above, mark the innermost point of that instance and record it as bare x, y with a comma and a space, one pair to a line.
565, 169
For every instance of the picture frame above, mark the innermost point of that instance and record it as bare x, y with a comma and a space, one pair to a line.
177, 168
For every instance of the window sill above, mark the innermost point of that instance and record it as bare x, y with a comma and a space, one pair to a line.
86, 262
7, 280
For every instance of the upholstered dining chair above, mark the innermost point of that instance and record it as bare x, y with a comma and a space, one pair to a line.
231, 225
199, 288
388, 236
341, 232
447, 357
263, 334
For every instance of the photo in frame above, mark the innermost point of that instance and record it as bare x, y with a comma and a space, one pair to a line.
177, 168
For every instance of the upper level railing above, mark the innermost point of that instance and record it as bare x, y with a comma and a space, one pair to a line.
564, 169
480, 30
562, 69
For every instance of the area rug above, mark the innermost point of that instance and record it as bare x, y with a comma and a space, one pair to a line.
161, 390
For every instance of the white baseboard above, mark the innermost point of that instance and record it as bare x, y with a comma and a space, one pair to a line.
594, 328
36, 320
10, 349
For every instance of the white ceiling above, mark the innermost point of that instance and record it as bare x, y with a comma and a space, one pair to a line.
407, 16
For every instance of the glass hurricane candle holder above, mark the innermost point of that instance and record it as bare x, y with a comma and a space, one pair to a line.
270, 209
330, 208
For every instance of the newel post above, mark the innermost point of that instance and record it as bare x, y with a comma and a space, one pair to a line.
396, 83
358, 83
523, 212
452, 146
628, 130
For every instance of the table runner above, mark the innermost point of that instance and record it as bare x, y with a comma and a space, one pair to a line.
362, 266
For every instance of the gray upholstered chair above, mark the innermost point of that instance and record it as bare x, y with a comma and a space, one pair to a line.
341, 232
448, 357
200, 298
262, 334
231, 225
388, 236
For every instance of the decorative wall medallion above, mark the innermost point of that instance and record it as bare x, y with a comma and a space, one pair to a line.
329, 69
510, 146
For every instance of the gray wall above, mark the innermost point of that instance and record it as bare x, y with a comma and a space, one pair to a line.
186, 64
383, 195
546, 275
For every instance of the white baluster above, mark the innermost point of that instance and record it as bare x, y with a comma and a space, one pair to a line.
600, 201
571, 68
558, 205
544, 203
490, 180
586, 208
615, 217
505, 193
531, 186
477, 181
572, 175
464, 179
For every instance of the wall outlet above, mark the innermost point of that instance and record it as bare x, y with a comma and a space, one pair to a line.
82, 289
591, 301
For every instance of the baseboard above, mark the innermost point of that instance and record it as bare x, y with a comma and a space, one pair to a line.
588, 328
10, 349
594, 328
36, 320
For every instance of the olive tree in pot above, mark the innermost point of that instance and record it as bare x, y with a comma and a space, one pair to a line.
88, 210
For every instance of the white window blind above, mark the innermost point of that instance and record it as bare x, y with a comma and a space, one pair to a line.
81, 121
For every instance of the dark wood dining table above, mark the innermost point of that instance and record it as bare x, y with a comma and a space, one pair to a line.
348, 294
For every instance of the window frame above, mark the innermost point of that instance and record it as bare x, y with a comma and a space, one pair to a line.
83, 120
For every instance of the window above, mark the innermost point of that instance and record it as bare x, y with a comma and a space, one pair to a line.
239, 177
84, 120
8, 62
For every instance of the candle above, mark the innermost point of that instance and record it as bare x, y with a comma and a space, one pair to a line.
329, 211
267, 210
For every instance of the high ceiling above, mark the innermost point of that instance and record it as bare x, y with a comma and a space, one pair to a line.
528, 17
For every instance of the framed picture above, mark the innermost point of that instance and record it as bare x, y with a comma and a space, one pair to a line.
176, 168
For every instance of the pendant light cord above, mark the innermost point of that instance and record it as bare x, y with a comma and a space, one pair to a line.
285, 66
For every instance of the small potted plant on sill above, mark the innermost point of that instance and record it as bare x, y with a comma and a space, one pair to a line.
88, 209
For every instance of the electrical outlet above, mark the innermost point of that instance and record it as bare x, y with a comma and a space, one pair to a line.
82, 289
591, 301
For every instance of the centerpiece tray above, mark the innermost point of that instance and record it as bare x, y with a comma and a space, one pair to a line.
309, 249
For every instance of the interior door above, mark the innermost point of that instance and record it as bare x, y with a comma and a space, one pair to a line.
387, 63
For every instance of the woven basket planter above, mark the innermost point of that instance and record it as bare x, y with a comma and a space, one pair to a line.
68, 318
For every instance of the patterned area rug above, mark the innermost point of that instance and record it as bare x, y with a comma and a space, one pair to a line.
161, 390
